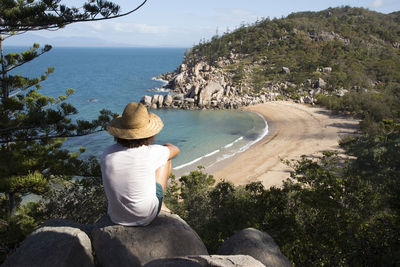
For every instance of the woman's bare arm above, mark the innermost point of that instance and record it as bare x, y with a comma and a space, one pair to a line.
173, 150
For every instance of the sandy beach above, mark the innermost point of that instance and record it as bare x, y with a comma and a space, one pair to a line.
294, 130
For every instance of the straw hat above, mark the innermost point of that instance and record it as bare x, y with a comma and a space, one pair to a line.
135, 123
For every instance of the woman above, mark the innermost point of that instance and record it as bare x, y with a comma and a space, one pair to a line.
135, 172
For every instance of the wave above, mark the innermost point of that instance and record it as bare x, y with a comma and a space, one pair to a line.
196, 160
231, 144
164, 82
262, 135
161, 89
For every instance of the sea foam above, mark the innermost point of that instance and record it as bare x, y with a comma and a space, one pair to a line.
196, 160
164, 82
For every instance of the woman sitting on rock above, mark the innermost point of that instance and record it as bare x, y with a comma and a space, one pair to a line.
135, 172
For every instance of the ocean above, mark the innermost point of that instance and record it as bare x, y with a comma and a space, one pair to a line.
109, 78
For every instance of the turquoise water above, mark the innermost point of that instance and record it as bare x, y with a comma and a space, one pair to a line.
109, 78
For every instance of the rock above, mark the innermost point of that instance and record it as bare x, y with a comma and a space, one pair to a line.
257, 244
326, 69
341, 92
160, 101
146, 100
308, 100
321, 83
194, 91
176, 103
197, 68
166, 237
56, 243
167, 100
227, 91
179, 80
218, 95
182, 67
189, 100
209, 261
285, 70
154, 100
179, 97
211, 88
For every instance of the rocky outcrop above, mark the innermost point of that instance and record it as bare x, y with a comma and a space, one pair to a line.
56, 243
208, 261
257, 244
166, 237
202, 86
167, 241
198, 85
327, 36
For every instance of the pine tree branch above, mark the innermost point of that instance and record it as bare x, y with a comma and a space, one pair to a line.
49, 137
59, 24
22, 63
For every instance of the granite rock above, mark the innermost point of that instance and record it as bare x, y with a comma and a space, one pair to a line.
166, 237
58, 243
257, 244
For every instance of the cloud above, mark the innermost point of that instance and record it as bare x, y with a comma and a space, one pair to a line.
139, 28
235, 16
377, 3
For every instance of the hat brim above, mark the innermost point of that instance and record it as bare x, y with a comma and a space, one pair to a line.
154, 126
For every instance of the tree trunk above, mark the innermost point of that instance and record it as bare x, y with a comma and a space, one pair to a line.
11, 201
3, 81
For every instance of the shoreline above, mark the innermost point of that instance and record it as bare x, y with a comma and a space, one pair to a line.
217, 166
224, 152
293, 130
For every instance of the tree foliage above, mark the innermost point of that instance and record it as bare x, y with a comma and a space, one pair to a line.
33, 126
327, 213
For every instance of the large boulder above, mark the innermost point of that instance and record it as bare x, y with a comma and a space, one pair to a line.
196, 70
321, 83
257, 244
207, 261
146, 100
285, 70
211, 88
160, 101
327, 69
168, 100
194, 91
58, 243
167, 236
179, 80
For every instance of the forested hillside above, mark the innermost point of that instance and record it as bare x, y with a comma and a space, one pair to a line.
361, 47
350, 52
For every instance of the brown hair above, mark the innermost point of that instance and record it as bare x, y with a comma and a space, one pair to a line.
132, 143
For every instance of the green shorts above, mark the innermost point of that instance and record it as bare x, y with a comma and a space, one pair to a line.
160, 196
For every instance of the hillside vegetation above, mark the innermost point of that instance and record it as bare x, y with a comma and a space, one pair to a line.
354, 51
361, 47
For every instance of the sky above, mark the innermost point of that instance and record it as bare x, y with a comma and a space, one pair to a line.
181, 23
